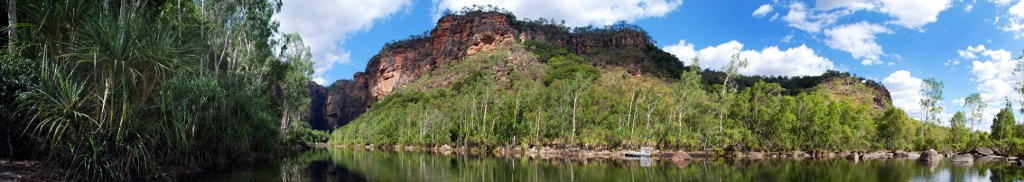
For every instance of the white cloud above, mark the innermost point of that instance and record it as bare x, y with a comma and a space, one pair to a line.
1017, 10
682, 50
906, 91
914, 13
763, 10
959, 101
320, 80
848, 4
971, 53
797, 61
951, 62
859, 40
325, 25
1014, 17
993, 69
574, 12
1001, 2
806, 19
968, 4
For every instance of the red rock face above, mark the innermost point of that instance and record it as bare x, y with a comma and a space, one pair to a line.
454, 37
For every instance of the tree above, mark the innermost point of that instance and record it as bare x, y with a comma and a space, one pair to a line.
976, 108
960, 131
931, 89
892, 129
731, 70
291, 74
575, 77
1002, 125
1018, 71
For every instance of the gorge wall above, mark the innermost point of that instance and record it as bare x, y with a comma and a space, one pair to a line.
454, 37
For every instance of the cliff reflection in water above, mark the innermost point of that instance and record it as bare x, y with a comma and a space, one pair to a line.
354, 165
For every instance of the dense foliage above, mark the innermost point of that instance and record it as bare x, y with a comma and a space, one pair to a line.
119, 90
563, 101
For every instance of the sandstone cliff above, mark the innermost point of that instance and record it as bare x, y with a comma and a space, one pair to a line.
454, 37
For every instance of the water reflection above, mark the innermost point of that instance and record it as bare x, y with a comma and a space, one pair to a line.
352, 165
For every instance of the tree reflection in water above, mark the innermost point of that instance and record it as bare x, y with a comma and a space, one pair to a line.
355, 165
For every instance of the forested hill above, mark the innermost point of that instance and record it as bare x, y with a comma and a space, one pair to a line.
471, 31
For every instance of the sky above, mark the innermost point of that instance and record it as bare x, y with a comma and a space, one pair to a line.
969, 45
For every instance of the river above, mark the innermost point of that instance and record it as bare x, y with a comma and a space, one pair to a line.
358, 165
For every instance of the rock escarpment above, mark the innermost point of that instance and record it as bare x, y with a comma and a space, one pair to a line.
457, 36
454, 37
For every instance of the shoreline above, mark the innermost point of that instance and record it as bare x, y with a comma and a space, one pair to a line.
985, 155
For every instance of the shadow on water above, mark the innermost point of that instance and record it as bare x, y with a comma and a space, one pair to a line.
355, 165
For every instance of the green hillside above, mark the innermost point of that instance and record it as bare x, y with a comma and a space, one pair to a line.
529, 95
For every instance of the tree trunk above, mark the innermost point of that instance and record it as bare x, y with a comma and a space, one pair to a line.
575, 98
284, 119
12, 19
722, 109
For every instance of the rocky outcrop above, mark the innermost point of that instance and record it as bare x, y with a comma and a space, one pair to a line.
984, 151
318, 99
345, 100
963, 159
454, 37
850, 88
930, 156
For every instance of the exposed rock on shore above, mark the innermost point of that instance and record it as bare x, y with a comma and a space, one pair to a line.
26, 171
931, 156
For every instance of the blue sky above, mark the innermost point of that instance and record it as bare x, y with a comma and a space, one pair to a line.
969, 45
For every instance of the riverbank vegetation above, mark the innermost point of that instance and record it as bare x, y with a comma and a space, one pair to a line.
122, 90
535, 93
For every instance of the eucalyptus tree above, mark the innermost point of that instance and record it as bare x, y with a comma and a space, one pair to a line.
732, 69
292, 73
931, 89
975, 107
1018, 71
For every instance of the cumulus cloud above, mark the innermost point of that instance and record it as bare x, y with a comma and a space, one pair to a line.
1015, 20
763, 10
1013, 16
859, 40
806, 19
914, 13
320, 80
848, 4
574, 12
993, 69
1001, 2
325, 25
797, 61
906, 91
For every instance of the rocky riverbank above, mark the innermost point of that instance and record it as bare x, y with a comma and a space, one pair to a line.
979, 155
26, 171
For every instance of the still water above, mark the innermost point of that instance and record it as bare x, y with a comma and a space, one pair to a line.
355, 165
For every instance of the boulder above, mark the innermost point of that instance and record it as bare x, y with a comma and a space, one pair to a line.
680, 156
799, 154
754, 155
963, 159
906, 155
984, 151
930, 156
874, 155
853, 156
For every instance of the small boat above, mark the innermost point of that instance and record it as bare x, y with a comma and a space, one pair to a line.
644, 152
